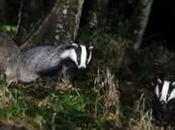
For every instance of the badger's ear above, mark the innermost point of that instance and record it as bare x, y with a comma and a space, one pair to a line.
159, 80
156, 81
75, 45
91, 47
173, 83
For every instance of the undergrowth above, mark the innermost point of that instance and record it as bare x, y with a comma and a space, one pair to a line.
108, 96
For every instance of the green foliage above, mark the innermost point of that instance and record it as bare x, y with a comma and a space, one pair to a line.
70, 102
43, 107
8, 28
59, 111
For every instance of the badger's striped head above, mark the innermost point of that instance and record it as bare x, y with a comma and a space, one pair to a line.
83, 55
80, 54
163, 103
165, 90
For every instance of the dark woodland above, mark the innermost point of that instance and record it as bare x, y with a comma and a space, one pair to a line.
133, 45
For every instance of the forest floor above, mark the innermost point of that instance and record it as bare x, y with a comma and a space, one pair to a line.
107, 96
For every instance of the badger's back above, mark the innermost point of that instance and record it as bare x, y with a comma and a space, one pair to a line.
52, 60
42, 61
42, 58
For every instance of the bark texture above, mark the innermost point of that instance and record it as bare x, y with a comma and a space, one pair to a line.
60, 26
98, 14
9, 57
139, 21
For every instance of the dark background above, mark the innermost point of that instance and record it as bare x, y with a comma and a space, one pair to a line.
116, 15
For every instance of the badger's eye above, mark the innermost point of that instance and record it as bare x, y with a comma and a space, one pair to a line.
159, 81
168, 94
78, 52
78, 59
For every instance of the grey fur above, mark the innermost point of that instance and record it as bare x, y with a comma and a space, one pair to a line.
39, 60
32, 64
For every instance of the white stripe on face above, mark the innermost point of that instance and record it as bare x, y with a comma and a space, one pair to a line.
70, 54
172, 95
90, 48
159, 82
157, 90
90, 55
164, 91
83, 57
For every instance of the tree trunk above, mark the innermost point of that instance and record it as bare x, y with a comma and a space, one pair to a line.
98, 13
139, 22
60, 26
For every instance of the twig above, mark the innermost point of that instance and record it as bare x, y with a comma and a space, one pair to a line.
19, 16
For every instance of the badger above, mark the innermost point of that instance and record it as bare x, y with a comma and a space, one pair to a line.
46, 61
39, 62
164, 102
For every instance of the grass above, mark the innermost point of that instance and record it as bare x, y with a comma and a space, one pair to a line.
114, 93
